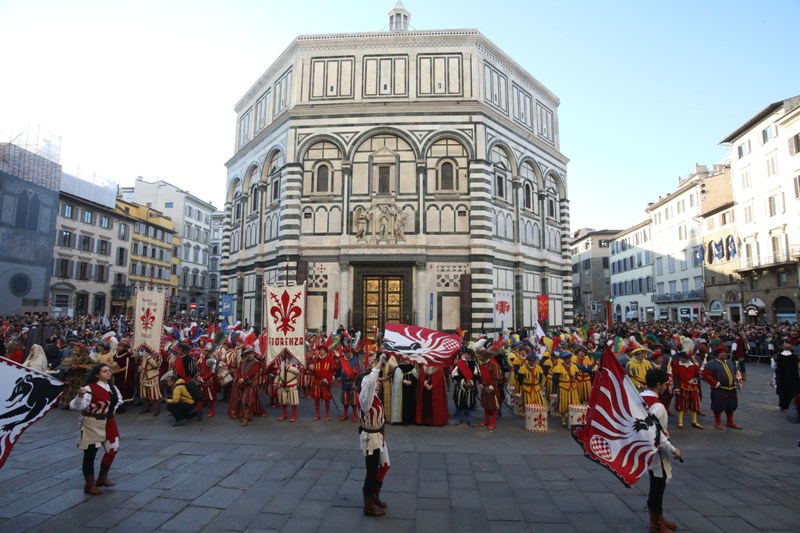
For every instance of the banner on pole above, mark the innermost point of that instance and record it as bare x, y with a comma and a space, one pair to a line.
149, 317
503, 309
285, 312
226, 305
544, 306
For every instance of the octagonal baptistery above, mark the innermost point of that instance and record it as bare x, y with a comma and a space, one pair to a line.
406, 176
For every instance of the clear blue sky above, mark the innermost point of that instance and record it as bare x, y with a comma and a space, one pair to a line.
647, 88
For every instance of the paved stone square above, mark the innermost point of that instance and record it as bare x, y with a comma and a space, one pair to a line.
307, 476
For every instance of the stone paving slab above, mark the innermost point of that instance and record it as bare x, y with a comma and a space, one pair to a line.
307, 477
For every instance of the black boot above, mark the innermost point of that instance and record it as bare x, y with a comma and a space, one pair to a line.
102, 479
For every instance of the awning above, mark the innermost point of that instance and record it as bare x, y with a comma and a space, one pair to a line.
631, 314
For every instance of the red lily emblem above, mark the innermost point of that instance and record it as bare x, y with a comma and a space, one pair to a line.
147, 319
285, 311
503, 307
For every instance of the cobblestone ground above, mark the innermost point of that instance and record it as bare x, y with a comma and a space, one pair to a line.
307, 476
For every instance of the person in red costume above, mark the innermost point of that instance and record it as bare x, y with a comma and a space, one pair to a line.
97, 401
492, 379
247, 378
323, 370
206, 374
14, 350
432, 409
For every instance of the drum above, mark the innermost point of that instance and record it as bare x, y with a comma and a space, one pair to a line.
577, 415
554, 406
536, 418
224, 375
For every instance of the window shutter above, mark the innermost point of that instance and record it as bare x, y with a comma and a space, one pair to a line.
792, 145
70, 268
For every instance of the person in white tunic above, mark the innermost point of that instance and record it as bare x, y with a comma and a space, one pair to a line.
660, 468
371, 437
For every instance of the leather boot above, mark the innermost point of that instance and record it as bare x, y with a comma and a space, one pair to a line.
370, 509
668, 524
146, 409
91, 488
102, 479
377, 495
656, 525
245, 417
344, 416
156, 408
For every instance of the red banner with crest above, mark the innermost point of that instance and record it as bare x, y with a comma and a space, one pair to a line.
544, 307
285, 312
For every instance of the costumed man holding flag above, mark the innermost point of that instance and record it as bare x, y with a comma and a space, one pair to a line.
371, 438
660, 470
98, 401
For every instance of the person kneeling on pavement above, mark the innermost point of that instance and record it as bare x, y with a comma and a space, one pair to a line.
180, 404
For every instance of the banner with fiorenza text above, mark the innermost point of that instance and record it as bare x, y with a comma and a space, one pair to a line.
148, 317
285, 312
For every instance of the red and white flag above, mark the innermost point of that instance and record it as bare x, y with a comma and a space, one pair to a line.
620, 433
27, 395
421, 345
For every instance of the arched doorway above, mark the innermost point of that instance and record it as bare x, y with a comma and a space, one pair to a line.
784, 310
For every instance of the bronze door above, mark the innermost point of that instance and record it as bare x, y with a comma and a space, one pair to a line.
382, 301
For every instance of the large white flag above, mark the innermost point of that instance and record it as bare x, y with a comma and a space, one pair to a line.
148, 317
27, 395
285, 312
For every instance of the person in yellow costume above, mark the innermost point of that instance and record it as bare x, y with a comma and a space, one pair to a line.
586, 368
565, 381
638, 366
514, 361
530, 378
548, 362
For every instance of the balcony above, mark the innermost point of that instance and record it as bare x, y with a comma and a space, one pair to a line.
695, 295
792, 255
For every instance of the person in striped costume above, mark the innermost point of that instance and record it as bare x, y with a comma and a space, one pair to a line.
371, 437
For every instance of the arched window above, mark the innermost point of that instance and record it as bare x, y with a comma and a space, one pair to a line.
446, 177
500, 184
322, 179
527, 196
254, 199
